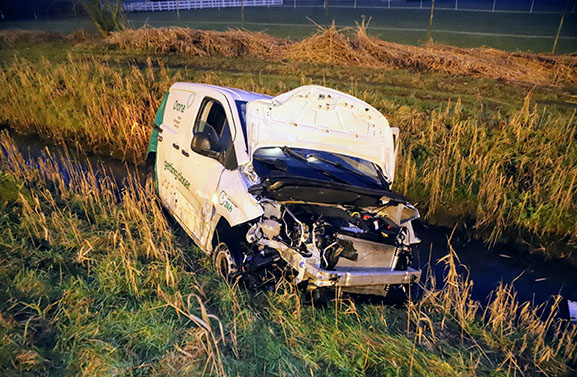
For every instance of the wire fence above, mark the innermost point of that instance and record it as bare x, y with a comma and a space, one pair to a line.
511, 6
161, 6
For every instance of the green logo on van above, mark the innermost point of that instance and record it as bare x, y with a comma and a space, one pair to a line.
179, 106
225, 201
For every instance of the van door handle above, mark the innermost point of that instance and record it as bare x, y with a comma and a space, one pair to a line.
185, 153
175, 146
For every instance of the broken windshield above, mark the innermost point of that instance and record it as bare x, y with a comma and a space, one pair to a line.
319, 165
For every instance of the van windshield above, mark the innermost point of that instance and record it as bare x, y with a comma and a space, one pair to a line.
318, 165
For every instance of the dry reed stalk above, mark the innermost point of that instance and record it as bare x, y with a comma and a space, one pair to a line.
520, 174
142, 228
206, 335
520, 331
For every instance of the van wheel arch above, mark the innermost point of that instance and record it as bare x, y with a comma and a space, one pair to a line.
150, 161
231, 236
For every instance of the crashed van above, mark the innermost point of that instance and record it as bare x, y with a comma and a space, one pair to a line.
301, 181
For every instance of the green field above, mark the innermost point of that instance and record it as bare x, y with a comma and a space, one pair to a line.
531, 32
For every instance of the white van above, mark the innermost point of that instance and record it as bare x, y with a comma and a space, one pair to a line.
301, 181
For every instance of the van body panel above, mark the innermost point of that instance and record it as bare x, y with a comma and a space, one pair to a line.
232, 200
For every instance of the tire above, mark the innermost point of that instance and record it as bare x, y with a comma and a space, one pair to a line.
397, 295
224, 262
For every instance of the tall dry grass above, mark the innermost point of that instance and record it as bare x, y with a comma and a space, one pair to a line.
527, 336
332, 46
494, 171
115, 238
66, 191
517, 172
87, 102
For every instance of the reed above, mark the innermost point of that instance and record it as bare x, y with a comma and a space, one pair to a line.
510, 173
514, 172
84, 102
110, 263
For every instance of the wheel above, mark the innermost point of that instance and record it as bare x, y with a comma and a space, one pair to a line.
397, 295
224, 262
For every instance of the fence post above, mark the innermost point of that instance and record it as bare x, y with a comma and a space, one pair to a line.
430, 22
242, 14
494, 1
326, 14
456, 4
560, 26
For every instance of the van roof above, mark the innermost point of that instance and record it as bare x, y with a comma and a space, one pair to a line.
231, 93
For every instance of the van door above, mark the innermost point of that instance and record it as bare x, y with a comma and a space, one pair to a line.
204, 172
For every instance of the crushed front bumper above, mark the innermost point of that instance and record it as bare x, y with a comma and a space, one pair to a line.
364, 280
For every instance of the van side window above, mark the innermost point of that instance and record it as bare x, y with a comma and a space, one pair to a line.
212, 120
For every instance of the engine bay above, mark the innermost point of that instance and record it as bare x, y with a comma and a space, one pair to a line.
333, 240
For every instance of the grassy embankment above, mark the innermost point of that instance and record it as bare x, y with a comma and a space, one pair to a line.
479, 147
94, 282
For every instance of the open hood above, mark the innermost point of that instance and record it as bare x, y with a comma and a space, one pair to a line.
319, 118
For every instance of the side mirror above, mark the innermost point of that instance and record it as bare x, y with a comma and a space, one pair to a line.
205, 143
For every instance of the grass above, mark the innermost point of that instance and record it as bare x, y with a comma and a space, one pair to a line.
94, 281
496, 158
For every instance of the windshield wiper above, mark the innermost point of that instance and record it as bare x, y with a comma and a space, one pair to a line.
343, 167
276, 163
302, 158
